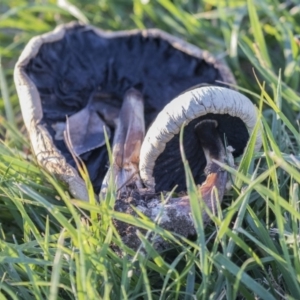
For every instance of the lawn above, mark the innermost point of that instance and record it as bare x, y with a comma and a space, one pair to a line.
55, 247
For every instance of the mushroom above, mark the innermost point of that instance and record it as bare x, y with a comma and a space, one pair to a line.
212, 116
61, 75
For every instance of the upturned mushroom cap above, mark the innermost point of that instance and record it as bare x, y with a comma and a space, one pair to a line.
232, 111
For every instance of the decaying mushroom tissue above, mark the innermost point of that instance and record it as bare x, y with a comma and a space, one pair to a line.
78, 82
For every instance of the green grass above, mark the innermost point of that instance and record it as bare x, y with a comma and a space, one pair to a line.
55, 247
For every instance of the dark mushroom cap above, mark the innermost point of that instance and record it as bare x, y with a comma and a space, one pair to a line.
161, 166
58, 72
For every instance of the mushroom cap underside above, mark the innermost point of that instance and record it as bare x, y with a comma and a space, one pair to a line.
67, 68
161, 166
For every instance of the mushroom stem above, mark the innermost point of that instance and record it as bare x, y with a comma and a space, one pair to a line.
129, 135
213, 148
